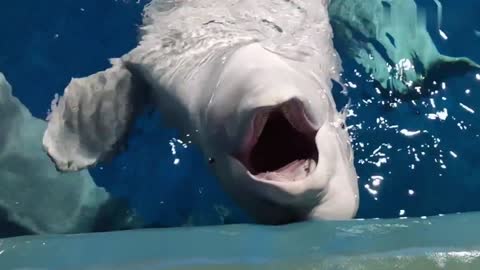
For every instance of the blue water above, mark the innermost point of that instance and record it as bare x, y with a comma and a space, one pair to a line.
437, 172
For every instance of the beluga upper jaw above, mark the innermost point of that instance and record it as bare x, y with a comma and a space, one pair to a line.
279, 143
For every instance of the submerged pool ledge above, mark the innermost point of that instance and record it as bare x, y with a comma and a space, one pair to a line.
447, 242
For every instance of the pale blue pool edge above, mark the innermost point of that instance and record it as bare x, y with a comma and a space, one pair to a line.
427, 243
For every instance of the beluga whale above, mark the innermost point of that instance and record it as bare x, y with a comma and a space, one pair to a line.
250, 82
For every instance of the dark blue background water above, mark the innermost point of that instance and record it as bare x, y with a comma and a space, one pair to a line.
43, 45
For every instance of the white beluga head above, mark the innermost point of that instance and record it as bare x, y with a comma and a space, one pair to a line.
255, 96
275, 136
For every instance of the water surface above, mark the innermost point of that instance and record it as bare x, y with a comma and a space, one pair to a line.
413, 158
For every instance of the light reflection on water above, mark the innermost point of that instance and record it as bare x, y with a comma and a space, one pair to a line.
415, 157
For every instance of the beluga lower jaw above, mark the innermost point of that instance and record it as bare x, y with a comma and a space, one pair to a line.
280, 144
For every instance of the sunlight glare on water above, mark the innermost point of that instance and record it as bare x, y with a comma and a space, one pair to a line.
409, 154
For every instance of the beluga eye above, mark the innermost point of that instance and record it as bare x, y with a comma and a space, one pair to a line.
211, 160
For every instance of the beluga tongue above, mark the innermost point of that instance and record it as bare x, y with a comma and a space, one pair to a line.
296, 170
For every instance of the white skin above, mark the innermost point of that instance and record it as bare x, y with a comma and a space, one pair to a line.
266, 120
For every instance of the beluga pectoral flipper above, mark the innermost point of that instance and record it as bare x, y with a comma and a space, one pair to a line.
92, 119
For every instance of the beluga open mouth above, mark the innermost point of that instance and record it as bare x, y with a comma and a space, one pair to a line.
280, 143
